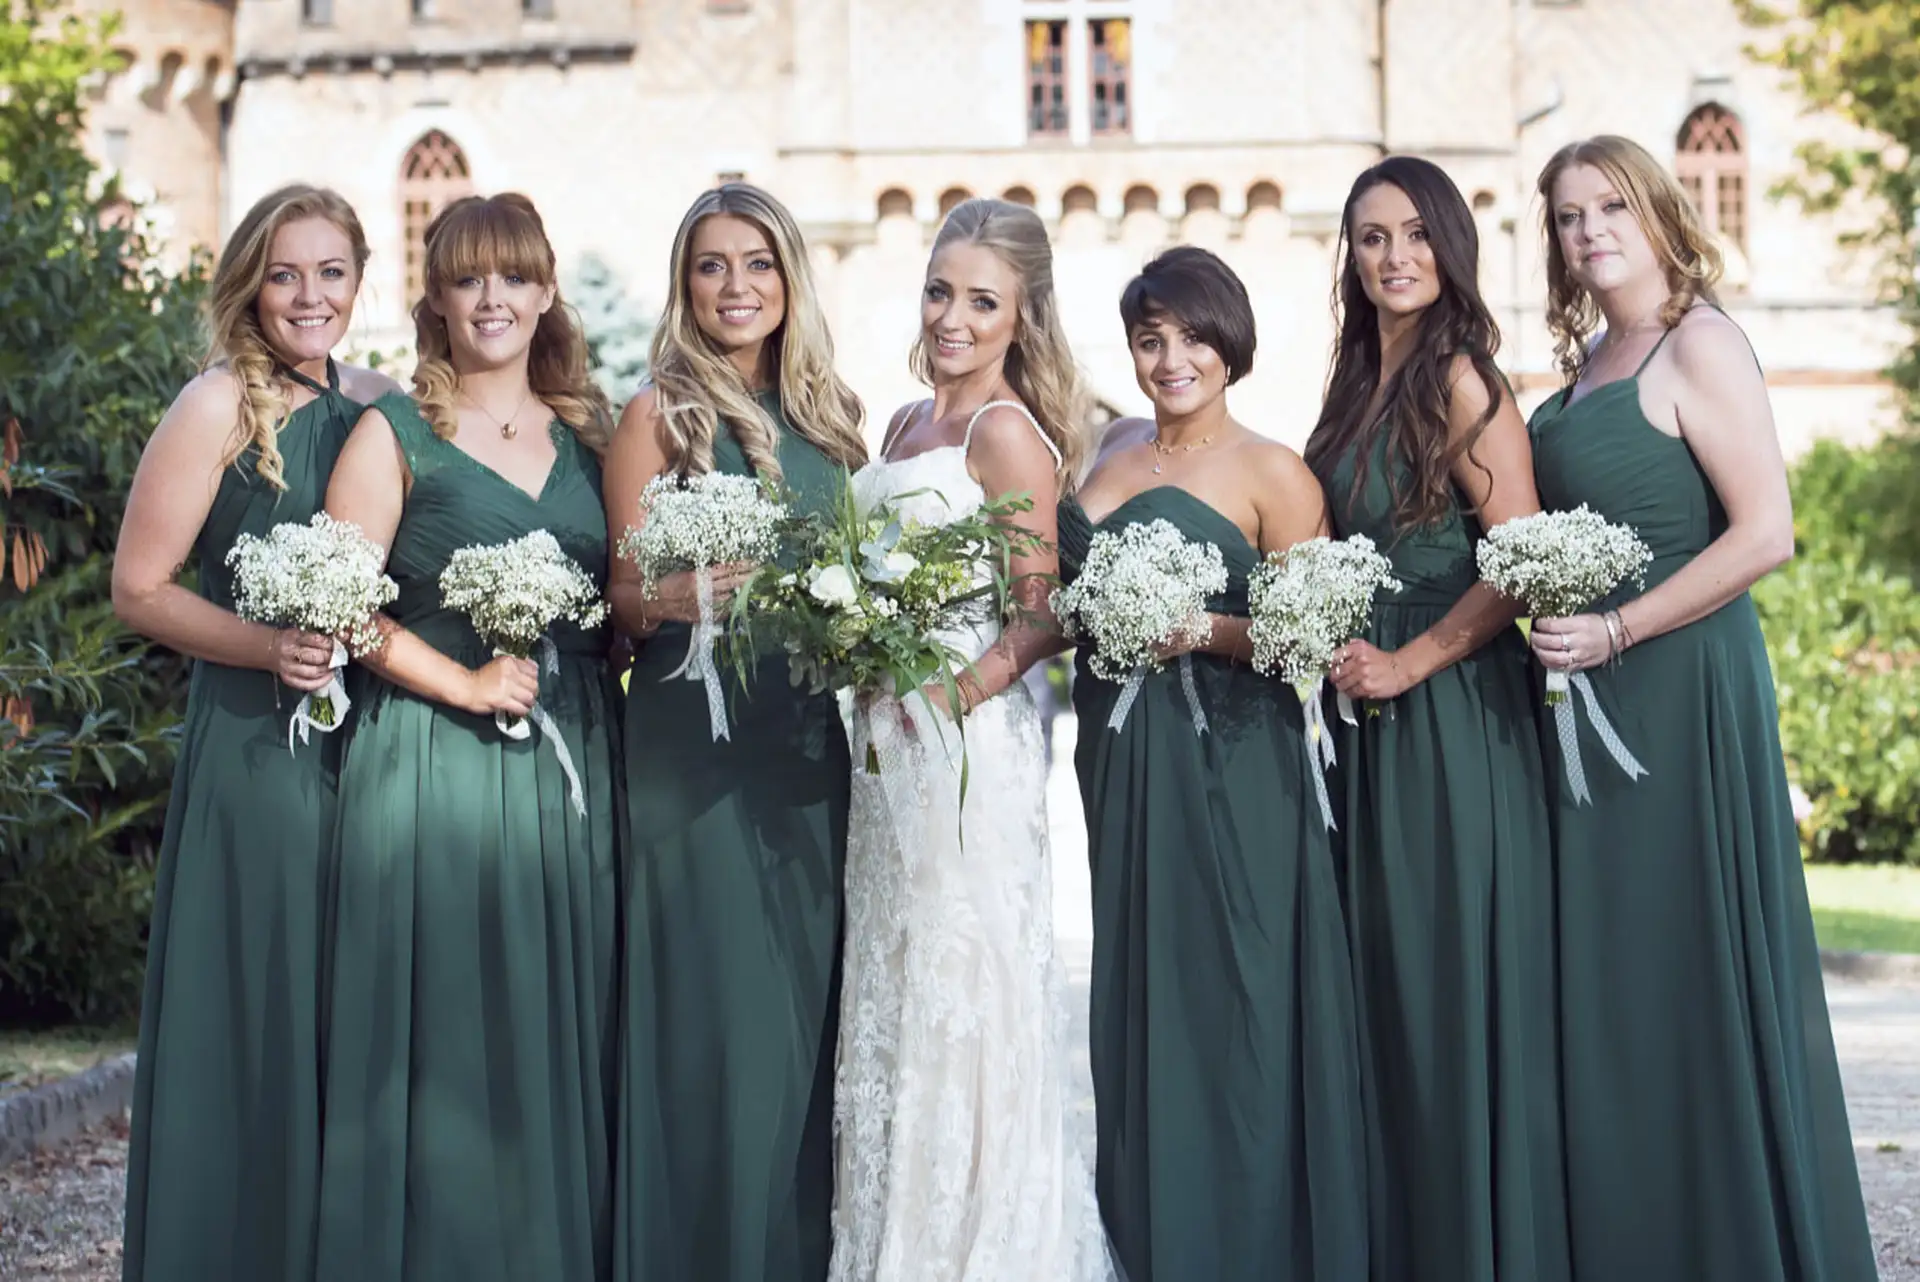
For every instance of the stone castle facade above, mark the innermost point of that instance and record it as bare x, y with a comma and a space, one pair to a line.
1128, 124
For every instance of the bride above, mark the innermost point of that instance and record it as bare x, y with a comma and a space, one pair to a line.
956, 1158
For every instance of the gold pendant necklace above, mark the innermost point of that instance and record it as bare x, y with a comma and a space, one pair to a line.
507, 429
1161, 450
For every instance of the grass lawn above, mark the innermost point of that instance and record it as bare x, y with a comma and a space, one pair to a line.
1866, 909
29, 1058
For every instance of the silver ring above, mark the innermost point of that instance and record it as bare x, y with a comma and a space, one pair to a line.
1566, 643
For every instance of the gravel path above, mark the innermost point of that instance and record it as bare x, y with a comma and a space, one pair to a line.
60, 1211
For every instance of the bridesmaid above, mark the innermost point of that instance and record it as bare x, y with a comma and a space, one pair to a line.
1706, 1131
1447, 872
471, 1046
223, 1172
1224, 1046
733, 905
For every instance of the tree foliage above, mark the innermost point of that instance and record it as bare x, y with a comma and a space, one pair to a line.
95, 339
619, 331
1860, 59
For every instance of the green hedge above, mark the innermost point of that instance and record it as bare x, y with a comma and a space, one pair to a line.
1843, 626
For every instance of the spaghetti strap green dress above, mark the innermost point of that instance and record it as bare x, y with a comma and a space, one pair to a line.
223, 1171
471, 1039
1707, 1135
733, 918
1448, 870
1224, 1044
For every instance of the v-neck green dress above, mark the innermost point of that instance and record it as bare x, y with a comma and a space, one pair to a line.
223, 1171
471, 1020
1706, 1129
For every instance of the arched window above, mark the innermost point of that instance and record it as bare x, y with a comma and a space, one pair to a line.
1202, 197
953, 196
1018, 195
1078, 199
1711, 164
434, 174
894, 203
1141, 198
1264, 194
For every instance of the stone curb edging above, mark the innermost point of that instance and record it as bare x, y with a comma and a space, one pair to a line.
1873, 968
59, 1110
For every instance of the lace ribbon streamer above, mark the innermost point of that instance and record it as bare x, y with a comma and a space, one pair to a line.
895, 754
333, 697
516, 728
699, 664
1565, 723
1319, 735
1130, 691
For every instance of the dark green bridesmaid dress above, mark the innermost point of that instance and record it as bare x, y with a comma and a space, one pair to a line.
1706, 1130
1223, 1038
1447, 864
471, 1020
732, 958
224, 1168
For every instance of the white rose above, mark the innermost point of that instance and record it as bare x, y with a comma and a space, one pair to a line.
832, 585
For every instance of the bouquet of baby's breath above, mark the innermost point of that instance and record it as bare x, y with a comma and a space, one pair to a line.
695, 524
1305, 603
1559, 563
1141, 589
513, 593
865, 595
324, 576
1308, 601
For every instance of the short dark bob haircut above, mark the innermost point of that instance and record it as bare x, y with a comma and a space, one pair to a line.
1193, 286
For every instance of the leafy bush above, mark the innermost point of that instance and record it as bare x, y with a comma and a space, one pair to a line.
1843, 627
94, 343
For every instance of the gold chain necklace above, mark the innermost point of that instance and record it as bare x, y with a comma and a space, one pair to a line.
507, 429
1162, 450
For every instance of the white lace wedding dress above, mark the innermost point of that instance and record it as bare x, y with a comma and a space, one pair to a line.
956, 1161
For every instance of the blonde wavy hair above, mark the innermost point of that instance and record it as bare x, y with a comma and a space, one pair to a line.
233, 317
1659, 203
477, 236
697, 388
1039, 364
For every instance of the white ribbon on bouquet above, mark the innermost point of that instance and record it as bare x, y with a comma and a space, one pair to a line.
516, 728
332, 696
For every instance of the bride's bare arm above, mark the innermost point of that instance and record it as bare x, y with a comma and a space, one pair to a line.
1009, 457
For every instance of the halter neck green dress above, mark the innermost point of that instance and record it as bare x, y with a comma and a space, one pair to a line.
224, 1167
471, 1021
1448, 869
1706, 1130
1223, 1038
738, 849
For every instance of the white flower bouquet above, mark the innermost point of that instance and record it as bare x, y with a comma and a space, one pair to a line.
1305, 603
1141, 589
695, 524
1559, 563
513, 593
868, 593
324, 576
